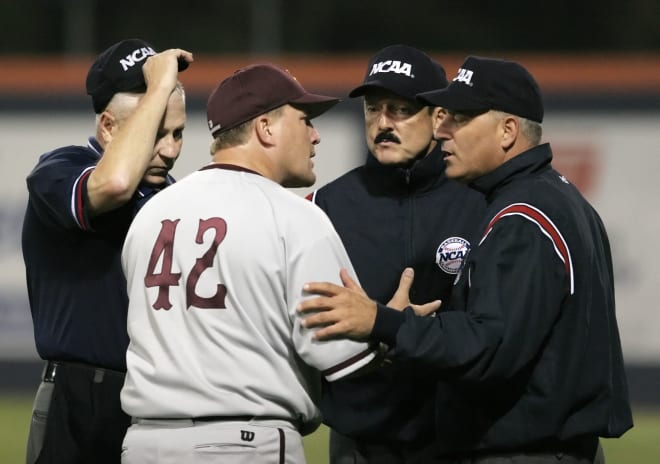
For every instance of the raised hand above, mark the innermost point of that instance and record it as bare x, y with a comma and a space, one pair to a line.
401, 298
163, 68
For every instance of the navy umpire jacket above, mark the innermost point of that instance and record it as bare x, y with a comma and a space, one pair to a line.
76, 287
390, 218
529, 343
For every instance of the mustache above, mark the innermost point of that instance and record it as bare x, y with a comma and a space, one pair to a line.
386, 137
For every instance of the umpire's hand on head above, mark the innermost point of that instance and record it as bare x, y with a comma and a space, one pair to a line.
163, 68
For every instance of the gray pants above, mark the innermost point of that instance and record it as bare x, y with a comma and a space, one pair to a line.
151, 441
38, 422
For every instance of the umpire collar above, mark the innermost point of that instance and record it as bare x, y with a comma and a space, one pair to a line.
527, 162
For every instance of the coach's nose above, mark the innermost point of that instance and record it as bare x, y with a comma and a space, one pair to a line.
169, 146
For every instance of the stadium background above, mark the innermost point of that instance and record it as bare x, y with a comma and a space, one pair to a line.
600, 73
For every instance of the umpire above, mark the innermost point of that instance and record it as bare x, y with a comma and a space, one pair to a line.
386, 213
528, 345
81, 202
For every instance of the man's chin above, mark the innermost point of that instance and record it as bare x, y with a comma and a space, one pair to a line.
299, 182
389, 156
154, 180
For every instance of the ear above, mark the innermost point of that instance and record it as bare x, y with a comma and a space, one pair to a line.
106, 126
438, 116
264, 129
510, 129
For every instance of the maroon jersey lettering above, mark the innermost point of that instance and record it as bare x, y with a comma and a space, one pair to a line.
164, 246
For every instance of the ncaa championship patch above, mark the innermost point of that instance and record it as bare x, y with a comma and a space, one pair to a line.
451, 253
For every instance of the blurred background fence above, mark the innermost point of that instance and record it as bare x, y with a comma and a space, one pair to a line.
602, 118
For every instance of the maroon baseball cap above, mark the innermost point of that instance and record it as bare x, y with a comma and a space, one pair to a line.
257, 89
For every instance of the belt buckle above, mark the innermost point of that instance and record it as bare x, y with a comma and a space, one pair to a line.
50, 372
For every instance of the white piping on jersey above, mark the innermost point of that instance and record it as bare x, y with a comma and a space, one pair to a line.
93, 148
351, 367
547, 230
73, 195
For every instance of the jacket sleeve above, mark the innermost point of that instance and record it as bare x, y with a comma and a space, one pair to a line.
494, 328
58, 190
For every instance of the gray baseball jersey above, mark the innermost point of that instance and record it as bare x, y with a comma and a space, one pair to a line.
215, 266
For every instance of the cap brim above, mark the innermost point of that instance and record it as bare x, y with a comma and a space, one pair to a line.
364, 88
314, 105
452, 98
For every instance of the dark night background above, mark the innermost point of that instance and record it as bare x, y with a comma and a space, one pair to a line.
69, 27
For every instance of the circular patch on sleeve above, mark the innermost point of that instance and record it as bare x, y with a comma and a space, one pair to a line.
451, 253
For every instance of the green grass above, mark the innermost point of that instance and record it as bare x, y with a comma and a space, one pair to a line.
641, 445
316, 446
15, 413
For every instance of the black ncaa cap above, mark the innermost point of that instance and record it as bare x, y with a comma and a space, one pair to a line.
119, 69
404, 70
484, 84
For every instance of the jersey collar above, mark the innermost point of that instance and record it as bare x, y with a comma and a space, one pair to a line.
229, 167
